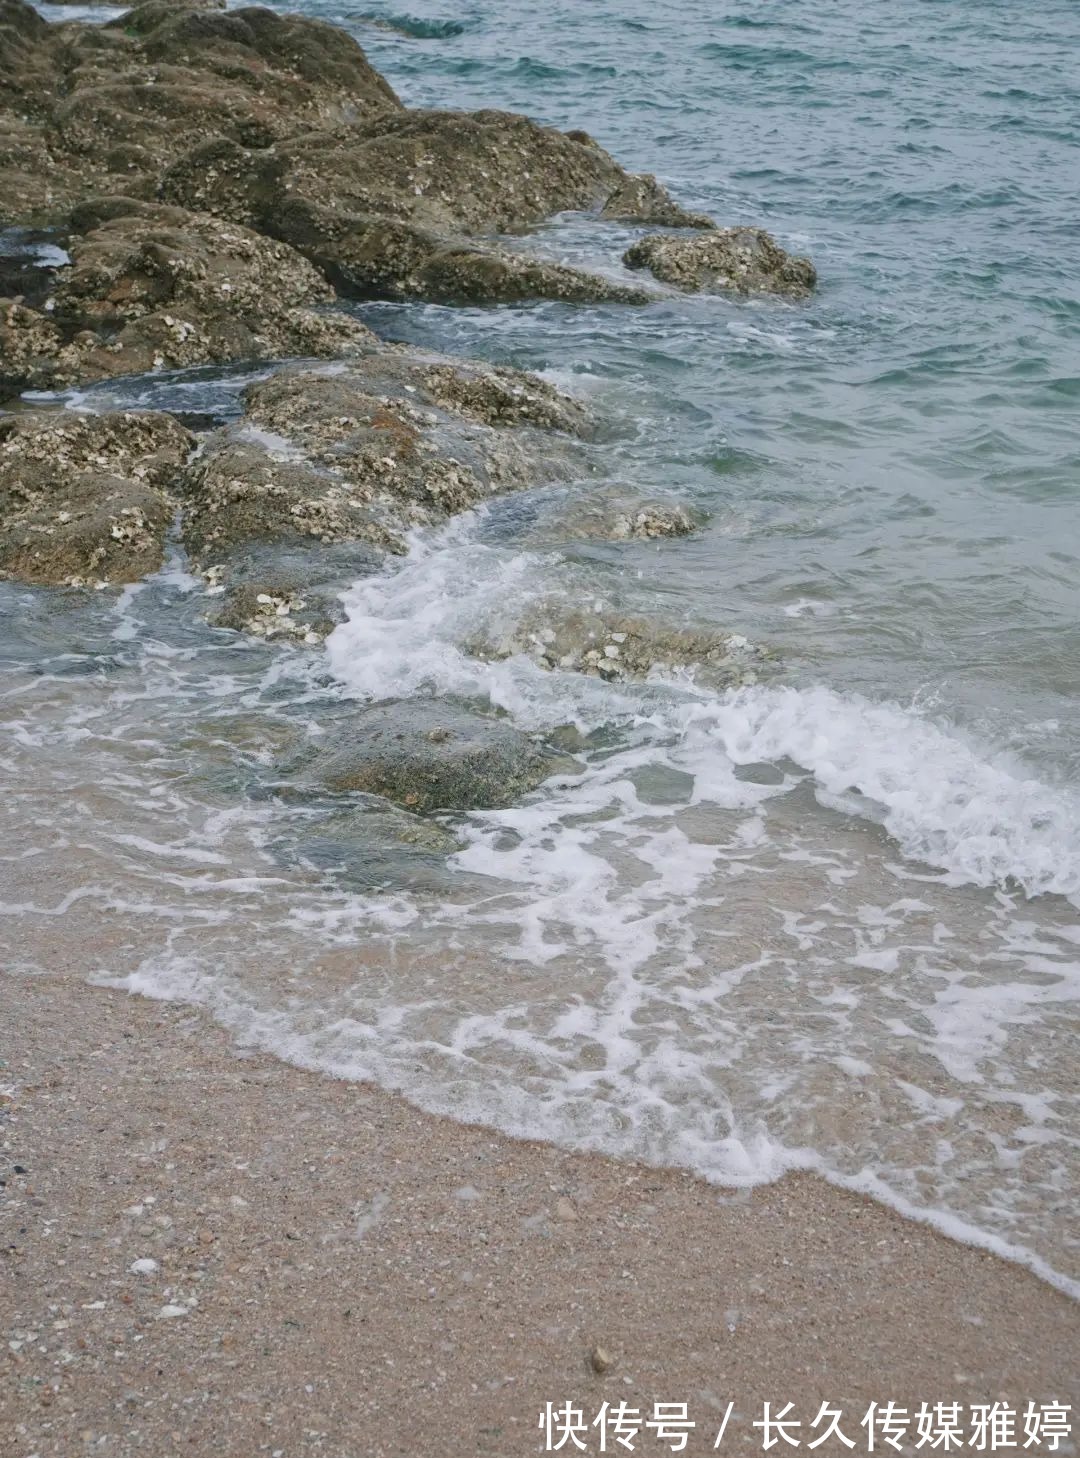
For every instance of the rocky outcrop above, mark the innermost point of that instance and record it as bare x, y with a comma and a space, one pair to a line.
446, 174
744, 260
238, 112
86, 499
152, 287
218, 174
408, 209
640, 198
428, 756
107, 108
366, 452
467, 173
279, 124
611, 645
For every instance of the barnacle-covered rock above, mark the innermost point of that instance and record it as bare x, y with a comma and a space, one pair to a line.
87, 499
744, 260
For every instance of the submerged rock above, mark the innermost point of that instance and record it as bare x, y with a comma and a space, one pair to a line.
87, 499
611, 516
348, 838
614, 646
745, 260
427, 755
288, 592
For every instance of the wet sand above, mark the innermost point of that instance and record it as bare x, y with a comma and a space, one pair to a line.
336, 1273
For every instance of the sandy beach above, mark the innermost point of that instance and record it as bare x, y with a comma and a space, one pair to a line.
334, 1272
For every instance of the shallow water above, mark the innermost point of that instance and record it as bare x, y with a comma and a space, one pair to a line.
829, 921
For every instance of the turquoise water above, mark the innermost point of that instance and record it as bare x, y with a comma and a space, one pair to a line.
829, 922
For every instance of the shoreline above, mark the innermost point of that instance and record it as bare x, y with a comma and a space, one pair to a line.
209, 1249
337, 1272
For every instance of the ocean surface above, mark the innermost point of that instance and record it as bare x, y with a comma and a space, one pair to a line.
829, 921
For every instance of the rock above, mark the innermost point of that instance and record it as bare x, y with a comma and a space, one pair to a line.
309, 72
642, 199
376, 256
88, 108
105, 530
613, 646
273, 610
601, 1360
613, 516
427, 755
361, 847
178, 73
646, 520
239, 493
146, 1266
35, 184
463, 173
29, 347
367, 451
86, 498
153, 287
238, 184
290, 592
497, 395
744, 260
473, 275
394, 206
24, 38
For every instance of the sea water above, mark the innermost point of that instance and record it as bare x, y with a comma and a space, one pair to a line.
828, 921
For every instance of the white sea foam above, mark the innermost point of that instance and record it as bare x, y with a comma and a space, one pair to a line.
571, 1110
673, 953
946, 801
